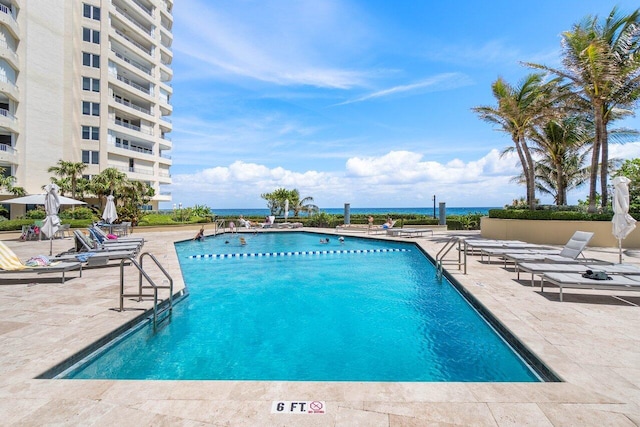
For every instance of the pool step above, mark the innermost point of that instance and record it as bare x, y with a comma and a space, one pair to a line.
283, 254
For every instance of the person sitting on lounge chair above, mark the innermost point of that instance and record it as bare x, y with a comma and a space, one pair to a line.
389, 224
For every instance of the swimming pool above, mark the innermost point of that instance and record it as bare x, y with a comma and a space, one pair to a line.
286, 307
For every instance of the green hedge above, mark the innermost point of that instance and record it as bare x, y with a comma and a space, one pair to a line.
549, 215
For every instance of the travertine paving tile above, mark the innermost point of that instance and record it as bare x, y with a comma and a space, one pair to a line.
591, 340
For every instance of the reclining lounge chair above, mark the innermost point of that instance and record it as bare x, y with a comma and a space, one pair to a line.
10, 263
569, 253
577, 281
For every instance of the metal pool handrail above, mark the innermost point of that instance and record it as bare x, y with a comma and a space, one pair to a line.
152, 284
462, 254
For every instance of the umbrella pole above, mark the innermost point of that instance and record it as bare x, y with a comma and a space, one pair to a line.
50, 246
620, 250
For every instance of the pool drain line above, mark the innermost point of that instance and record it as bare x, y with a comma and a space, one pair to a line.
296, 253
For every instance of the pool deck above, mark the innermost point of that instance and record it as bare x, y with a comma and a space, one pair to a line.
591, 340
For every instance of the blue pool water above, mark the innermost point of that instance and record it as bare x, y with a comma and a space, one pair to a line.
373, 311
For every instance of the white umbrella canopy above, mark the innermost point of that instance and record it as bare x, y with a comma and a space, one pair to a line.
623, 223
39, 199
51, 207
110, 214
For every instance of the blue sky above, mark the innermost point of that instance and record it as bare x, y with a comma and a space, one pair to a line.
363, 102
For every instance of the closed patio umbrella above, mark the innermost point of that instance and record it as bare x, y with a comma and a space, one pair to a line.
286, 209
110, 214
51, 207
623, 223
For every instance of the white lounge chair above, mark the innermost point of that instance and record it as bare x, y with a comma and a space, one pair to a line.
541, 268
11, 264
569, 253
576, 281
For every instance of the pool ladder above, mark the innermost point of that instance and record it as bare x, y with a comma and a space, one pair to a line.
151, 285
462, 255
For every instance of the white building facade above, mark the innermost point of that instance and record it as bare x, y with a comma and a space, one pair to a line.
86, 81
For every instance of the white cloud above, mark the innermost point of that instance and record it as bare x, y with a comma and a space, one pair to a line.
395, 179
280, 42
439, 82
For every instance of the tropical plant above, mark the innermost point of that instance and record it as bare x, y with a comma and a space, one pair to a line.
301, 205
631, 170
602, 62
68, 173
107, 182
133, 195
560, 149
519, 108
7, 182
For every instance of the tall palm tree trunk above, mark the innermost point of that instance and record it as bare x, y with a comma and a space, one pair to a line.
593, 174
601, 136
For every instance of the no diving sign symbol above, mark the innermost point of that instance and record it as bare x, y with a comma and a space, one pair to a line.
298, 407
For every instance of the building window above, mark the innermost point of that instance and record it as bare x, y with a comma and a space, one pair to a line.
91, 36
90, 157
90, 60
91, 84
90, 108
91, 132
91, 12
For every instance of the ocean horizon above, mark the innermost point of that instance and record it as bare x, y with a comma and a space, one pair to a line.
363, 211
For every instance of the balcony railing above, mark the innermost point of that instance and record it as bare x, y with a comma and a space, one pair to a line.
130, 105
7, 149
5, 79
7, 114
133, 42
134, 148
5, 9
134, 85
143, 7
165, 193
166, 137
164, 174
165, 156
136, 64
5, 45
141, 171
133, 21
133, 127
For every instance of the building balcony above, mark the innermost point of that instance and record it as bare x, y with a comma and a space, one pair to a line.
9, 21
144, 173
131, 41
143, 7
135, 64
8, 120
142, 129
131, 105
8, 155
9, 88
133, 23
163, 196
132, 148
134, 85
9, 54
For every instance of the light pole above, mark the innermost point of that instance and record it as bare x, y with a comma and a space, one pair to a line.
180, 206
434, 206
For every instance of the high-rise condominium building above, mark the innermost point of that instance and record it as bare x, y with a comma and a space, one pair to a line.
85, 81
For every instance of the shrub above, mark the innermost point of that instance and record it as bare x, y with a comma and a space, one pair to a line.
549, 215
80, 212
36, 214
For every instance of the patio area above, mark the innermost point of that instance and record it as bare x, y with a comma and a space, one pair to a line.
591, 341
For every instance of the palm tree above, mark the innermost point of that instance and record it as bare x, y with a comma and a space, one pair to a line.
519, 109
560, 148
302, 205
108, 182
68, 173
7, 181
601, 62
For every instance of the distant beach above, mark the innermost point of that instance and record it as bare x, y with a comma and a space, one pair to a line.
362, 211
